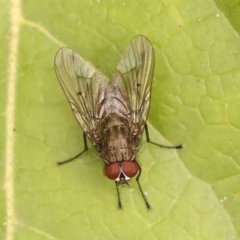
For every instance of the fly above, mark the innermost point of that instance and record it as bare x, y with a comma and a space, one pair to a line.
112, 115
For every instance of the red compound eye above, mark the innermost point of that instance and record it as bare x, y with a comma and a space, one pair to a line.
130, 169
112, 171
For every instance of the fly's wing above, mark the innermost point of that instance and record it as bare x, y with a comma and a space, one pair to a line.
84, 88
134, 81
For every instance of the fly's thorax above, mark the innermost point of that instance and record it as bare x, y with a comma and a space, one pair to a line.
121, 172
117, 139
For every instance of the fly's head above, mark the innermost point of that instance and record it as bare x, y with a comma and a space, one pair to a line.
121, 172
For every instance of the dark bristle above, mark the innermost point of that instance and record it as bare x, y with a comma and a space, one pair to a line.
148, 206
180, 146
120, 206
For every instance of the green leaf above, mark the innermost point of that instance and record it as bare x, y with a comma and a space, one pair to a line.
194, 192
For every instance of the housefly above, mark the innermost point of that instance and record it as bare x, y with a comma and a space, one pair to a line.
112, 115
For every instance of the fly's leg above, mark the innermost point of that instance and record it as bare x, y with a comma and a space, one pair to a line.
71, 159
118, 195
148, 140
140, 188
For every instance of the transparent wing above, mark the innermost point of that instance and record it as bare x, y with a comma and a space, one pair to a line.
136, 69
84, 88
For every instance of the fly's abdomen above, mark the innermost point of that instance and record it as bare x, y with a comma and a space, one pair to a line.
117, 140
